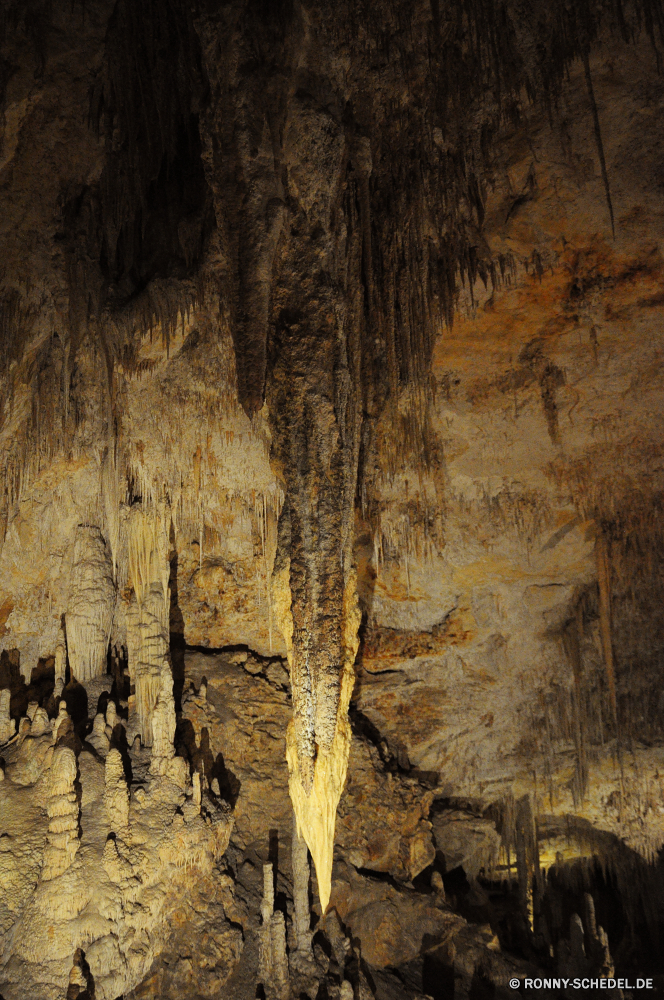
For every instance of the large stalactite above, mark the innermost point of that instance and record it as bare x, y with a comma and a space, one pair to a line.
344, 222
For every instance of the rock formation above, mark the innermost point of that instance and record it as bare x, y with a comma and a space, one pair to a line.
330, 496
62, 809
301, 912
91, 604
98, 738
273, 972
593, 961
7, 724
116, 796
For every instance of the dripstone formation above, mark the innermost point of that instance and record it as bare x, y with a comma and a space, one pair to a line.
331, 482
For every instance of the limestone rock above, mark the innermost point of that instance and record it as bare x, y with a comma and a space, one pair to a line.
392, 931
118, 893
116, 867
60, 664
273, 971
91, 604
7, 724
111, 717
237, 415
63, 815
147, 641
163, 725
98, 738
467, 841
24, 727
116, 795
62, 718
40, 723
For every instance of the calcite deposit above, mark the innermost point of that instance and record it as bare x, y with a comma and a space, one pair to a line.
331, 494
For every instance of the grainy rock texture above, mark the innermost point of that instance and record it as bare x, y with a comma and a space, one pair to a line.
331, 483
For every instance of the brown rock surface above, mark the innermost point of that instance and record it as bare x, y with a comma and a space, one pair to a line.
326, 324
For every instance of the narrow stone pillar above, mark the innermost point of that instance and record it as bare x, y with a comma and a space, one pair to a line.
272, 960
63, 815
116, 793
301, 874
91, 605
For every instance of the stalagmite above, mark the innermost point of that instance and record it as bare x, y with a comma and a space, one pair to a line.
60, 661
148, 648
7, 724
280, 987
61, 718
147, 616
90, 606
339, 940
586, 952
163, 727
40, 723
576, 940
78, 979
116, 794
302, 914
63, 815
527, 857
111, 718
196, 790
24, 727
272, 959
98, 738
116, 867
598, 941
264, 938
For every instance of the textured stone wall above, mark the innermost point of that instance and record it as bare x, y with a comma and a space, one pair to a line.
330, 371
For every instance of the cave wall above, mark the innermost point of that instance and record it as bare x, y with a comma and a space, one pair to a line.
362, 311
